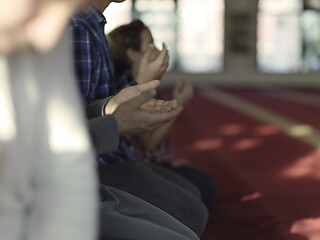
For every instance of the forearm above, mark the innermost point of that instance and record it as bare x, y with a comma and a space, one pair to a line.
152, 139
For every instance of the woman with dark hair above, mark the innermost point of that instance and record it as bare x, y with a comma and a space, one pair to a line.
131, 44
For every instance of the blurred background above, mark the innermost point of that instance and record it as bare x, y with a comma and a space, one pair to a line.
254, 122
237, 42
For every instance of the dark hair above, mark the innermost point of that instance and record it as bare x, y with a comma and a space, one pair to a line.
123, 38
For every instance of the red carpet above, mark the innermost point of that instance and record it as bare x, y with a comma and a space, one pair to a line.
267, 182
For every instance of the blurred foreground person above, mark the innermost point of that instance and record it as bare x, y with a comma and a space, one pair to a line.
38, 24
44, 150
43, 144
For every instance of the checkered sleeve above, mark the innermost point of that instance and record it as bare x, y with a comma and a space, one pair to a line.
83, 59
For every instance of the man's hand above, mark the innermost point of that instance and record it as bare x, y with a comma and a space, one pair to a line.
154, 105
132, 119
153, 64
129, 93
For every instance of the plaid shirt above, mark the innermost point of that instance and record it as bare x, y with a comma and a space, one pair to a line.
95, 70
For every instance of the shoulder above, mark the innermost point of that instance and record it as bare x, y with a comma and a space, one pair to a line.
82, 20
80, 30
79, 23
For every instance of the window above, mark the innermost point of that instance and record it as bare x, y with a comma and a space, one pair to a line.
117, 14
279, 39
310, 20
160, 17
200, 35
192, 30
288, 37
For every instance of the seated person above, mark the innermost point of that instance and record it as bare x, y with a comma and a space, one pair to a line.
130, 44
150, 182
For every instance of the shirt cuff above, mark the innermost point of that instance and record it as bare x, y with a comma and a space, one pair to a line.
105, 134
96, 108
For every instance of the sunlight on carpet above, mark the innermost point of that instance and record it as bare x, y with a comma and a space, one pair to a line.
306, 166
309, 228
207, 144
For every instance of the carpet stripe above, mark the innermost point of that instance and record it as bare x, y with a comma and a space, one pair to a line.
304, 98
303, 132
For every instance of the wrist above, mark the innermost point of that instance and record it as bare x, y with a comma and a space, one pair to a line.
111, 105
141, 79
123, 128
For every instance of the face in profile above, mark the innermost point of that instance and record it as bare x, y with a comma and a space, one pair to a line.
146, 40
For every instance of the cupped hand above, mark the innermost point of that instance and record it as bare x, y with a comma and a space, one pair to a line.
160, 105
153, 64
128, 93
132, 119
183, 92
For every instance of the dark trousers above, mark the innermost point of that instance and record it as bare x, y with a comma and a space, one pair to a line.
160, 187
202, 180
126, 217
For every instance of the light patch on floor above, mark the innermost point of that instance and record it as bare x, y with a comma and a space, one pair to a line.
247, 143
306, 166
207, 144
231, 129
265, 130
309, 227
251, 197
